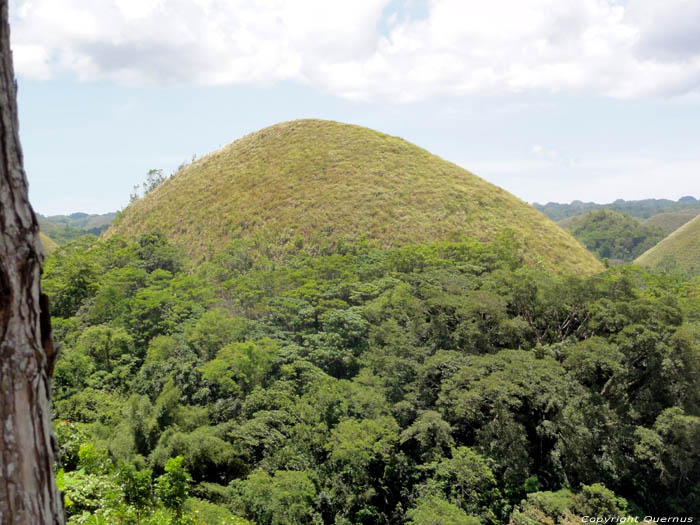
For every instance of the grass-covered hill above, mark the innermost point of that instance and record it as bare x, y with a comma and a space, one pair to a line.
671, 221
316, 185
47, 242
679, 252
613, 235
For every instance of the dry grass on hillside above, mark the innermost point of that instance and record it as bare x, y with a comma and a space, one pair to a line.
48, 243
316, 183
671, 221
680, 251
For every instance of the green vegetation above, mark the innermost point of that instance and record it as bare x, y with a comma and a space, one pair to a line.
571, 222
642, 209
613, 235
99, 491
679, 252
442, 382
671, 221
65, 228
322, 324
319, 186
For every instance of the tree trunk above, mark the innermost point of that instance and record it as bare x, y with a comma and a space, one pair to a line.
28, 493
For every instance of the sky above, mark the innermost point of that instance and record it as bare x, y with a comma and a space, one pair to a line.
553, 100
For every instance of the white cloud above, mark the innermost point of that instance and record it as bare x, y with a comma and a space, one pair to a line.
32, 61
602, 47
550, 154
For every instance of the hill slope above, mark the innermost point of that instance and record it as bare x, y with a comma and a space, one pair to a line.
680, 251
47, 242
671, 221
320, 183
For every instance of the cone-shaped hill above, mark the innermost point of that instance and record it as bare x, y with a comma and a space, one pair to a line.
679, 252
47, 242
315, 183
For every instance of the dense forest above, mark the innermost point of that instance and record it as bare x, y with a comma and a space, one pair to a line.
613, 235
441, 383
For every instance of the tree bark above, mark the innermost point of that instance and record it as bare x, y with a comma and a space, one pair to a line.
28, 493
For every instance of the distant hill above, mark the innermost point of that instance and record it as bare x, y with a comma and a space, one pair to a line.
671, 221
316, 185
642, 209
47, 242
64, 228
613, 235
679, 252
571, 222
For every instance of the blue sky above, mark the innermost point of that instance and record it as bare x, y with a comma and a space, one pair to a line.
550, 99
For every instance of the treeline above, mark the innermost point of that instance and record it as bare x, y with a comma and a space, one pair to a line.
441, 383
642, 209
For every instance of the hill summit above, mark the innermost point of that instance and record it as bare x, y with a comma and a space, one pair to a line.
313, 183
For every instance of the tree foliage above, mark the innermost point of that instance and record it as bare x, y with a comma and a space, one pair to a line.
615, 236
439, 383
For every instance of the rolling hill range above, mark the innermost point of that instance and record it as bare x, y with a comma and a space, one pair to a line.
319, 184
642, 209
64, 228
679, 252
